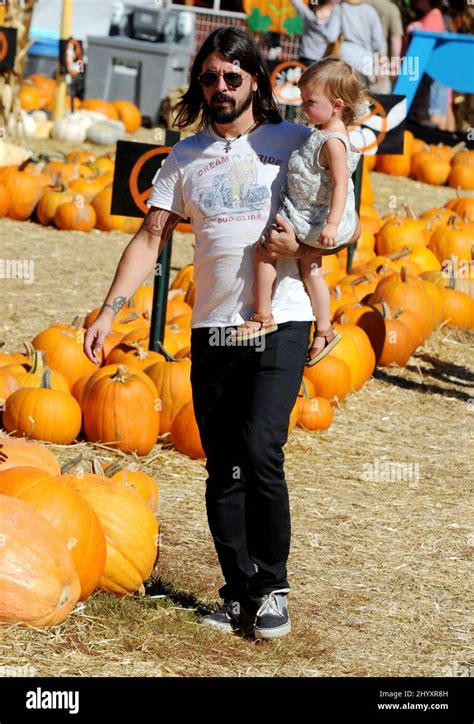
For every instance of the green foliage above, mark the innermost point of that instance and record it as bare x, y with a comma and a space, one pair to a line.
294, 25
258, 22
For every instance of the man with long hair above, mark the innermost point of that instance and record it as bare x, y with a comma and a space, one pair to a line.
243, 394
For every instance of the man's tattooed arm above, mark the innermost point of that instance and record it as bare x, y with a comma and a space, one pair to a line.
159, 222
116, 305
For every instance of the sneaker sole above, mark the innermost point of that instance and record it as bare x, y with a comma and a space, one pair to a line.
243, 627
272, 633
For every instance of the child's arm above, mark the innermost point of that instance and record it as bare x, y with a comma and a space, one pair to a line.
333, 154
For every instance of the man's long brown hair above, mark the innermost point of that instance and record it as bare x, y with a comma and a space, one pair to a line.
237, 46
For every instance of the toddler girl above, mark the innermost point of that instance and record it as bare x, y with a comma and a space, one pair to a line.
318, 198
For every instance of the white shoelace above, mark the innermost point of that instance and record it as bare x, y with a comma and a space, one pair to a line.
270, 605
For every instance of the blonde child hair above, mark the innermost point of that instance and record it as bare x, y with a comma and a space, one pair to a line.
338, 80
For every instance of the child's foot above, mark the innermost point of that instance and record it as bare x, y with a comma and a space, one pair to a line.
255, 326
323, 342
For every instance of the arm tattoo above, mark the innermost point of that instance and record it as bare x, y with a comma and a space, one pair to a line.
159, 222
117, 303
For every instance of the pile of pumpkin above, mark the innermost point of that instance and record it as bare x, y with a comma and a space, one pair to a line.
94, 119
396, 294
435, 164
74, 193
65, 534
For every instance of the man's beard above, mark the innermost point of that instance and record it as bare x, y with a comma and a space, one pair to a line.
227, 115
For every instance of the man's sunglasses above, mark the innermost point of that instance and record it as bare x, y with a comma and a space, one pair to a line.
209, 78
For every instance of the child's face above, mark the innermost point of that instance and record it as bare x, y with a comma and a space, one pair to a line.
317, 106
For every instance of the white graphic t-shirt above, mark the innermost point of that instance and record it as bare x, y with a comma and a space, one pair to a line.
231, 197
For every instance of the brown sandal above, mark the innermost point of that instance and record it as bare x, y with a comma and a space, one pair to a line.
267, 324
332, 338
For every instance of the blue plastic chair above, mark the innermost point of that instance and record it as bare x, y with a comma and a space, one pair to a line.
446, 57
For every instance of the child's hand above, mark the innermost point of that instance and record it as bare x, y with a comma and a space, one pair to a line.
328, 235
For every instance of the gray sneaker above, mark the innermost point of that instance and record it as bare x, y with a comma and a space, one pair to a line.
272, 618
231, 617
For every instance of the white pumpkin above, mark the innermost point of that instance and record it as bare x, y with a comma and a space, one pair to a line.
39, 115
23, 126
69, 130
106, 133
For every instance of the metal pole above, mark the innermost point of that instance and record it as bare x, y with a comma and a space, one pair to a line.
357, 180
160, 297
61, 88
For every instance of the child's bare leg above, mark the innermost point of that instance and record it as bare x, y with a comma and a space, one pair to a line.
311, 273
265, 275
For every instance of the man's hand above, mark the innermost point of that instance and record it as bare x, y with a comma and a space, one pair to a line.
281, 240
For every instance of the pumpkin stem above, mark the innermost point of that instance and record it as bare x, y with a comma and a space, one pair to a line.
386, 311
46, 379
76, 322
131, 318
399, 254
121, 374
97, 468
403, 274
37, 366
409, 211
361, 280
71, 464
30, 350
168, 357
113, 468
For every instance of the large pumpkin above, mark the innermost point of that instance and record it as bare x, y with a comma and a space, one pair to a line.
38, 582
185, 434
131, 530
69, 514
75, 216
43, 413
129, 114
122, 411
457, 309
136, 480
106, 221
64, 350
331, 378
400, 291
15, 452
173, 384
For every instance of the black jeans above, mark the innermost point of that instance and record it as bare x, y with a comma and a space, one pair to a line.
243, 396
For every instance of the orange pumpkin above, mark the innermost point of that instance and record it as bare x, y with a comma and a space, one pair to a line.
314, 413
64, 350
184, 433
15, 452
122, 411
129, 114
100, 106
43, 413
331, 378
173, 384
68, 513
75, 216
38, 581
130, 528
